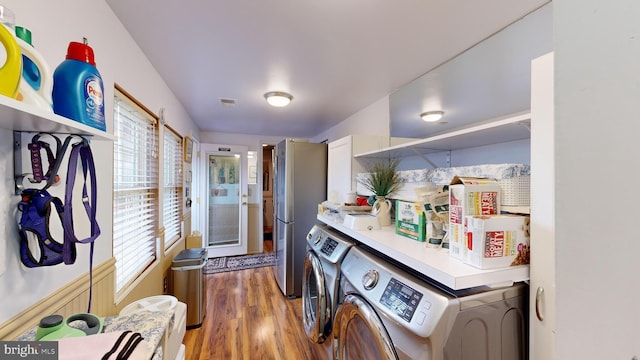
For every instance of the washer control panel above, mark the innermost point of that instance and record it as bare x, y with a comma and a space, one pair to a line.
401, 299
405, 299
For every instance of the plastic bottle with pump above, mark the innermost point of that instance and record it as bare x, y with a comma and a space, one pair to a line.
11, 69
36, 83
78, 93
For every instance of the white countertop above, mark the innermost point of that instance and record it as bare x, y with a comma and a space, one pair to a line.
433, 263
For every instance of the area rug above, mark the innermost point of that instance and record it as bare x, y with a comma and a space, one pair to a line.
232, 263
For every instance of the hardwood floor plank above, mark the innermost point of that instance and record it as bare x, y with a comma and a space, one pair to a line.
249, 318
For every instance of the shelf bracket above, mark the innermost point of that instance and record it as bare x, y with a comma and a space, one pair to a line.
17, 162
425, 158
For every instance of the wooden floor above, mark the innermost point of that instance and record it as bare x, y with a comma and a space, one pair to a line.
249, 318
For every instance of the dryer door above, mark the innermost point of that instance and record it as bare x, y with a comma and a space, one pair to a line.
358, 332
316, 305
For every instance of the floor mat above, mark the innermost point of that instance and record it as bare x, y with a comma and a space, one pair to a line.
224, 263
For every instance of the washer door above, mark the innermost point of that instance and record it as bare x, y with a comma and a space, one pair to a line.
358, 332
316, 305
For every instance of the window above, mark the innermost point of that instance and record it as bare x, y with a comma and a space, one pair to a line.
172, 191
135, 188
252, 161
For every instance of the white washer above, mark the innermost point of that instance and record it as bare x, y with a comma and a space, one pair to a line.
321, 282
388, 313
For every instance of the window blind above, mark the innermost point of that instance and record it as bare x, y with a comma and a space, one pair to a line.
135, 189
172, 191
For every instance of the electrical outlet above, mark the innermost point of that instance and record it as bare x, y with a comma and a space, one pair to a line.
165, 285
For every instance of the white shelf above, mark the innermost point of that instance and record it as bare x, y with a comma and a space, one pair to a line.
18, 116
515, 209
433, 263
511, 128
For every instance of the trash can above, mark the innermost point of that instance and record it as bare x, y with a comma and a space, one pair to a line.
188, 283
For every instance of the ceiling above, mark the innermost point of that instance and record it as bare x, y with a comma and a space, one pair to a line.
335, 57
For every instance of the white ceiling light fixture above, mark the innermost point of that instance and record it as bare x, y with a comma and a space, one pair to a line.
278, 98
431, 116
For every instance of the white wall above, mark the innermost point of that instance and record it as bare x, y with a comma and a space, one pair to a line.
54, 24
372, 120
597, 123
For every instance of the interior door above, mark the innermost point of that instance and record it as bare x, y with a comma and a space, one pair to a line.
225, 199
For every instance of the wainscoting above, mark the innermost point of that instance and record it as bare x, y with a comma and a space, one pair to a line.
70, 299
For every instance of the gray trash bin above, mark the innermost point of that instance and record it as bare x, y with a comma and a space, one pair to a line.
189, 285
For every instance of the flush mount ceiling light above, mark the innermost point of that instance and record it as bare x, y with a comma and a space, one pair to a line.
431, 116
278, 98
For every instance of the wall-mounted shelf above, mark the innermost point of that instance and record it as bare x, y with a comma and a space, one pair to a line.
18, 116
21, 117
510, 128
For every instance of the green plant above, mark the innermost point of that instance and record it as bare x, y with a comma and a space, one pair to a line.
382, 178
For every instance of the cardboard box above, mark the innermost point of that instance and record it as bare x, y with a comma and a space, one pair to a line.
495, 241
410, 220
469, 196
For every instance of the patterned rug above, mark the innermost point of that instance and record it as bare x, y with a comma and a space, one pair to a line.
242, 262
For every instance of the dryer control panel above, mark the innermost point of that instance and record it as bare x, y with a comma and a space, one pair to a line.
327, 243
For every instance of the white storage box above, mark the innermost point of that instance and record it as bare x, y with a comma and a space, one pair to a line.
469, 196
496, 241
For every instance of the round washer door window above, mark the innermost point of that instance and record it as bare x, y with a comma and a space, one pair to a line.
358, 332
316, 307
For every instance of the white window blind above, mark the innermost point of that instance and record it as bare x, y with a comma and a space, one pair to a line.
135, 189
172, 191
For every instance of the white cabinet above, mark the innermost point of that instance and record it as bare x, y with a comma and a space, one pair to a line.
343, 167
542, 269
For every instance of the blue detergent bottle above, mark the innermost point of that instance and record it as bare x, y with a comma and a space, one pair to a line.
78, 93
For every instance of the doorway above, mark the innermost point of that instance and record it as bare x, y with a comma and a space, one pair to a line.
267, 197
225, 194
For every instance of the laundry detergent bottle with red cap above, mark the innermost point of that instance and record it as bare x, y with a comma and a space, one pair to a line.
78, 93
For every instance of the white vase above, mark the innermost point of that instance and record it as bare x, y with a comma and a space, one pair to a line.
382, 210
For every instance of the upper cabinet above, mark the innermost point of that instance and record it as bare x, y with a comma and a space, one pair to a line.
343, 167
489, 82
18, 116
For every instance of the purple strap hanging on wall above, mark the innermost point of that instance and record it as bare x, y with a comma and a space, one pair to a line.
82, 152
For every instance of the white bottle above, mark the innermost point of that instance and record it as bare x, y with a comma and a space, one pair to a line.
36, 83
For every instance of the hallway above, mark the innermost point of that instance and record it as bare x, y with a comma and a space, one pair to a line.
249, 318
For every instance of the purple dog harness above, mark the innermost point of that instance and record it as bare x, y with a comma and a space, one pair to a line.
36, 206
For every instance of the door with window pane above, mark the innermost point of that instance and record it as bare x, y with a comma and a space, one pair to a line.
225, 194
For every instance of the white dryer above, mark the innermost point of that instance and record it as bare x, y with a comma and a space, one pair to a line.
321, 281
388, 313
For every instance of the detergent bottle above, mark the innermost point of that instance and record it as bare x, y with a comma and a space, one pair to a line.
36, 83
11, 68
78, 93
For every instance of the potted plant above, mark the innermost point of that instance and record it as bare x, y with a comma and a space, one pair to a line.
382, 180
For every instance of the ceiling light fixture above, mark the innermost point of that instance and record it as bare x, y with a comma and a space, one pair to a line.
431, 116
278, 98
